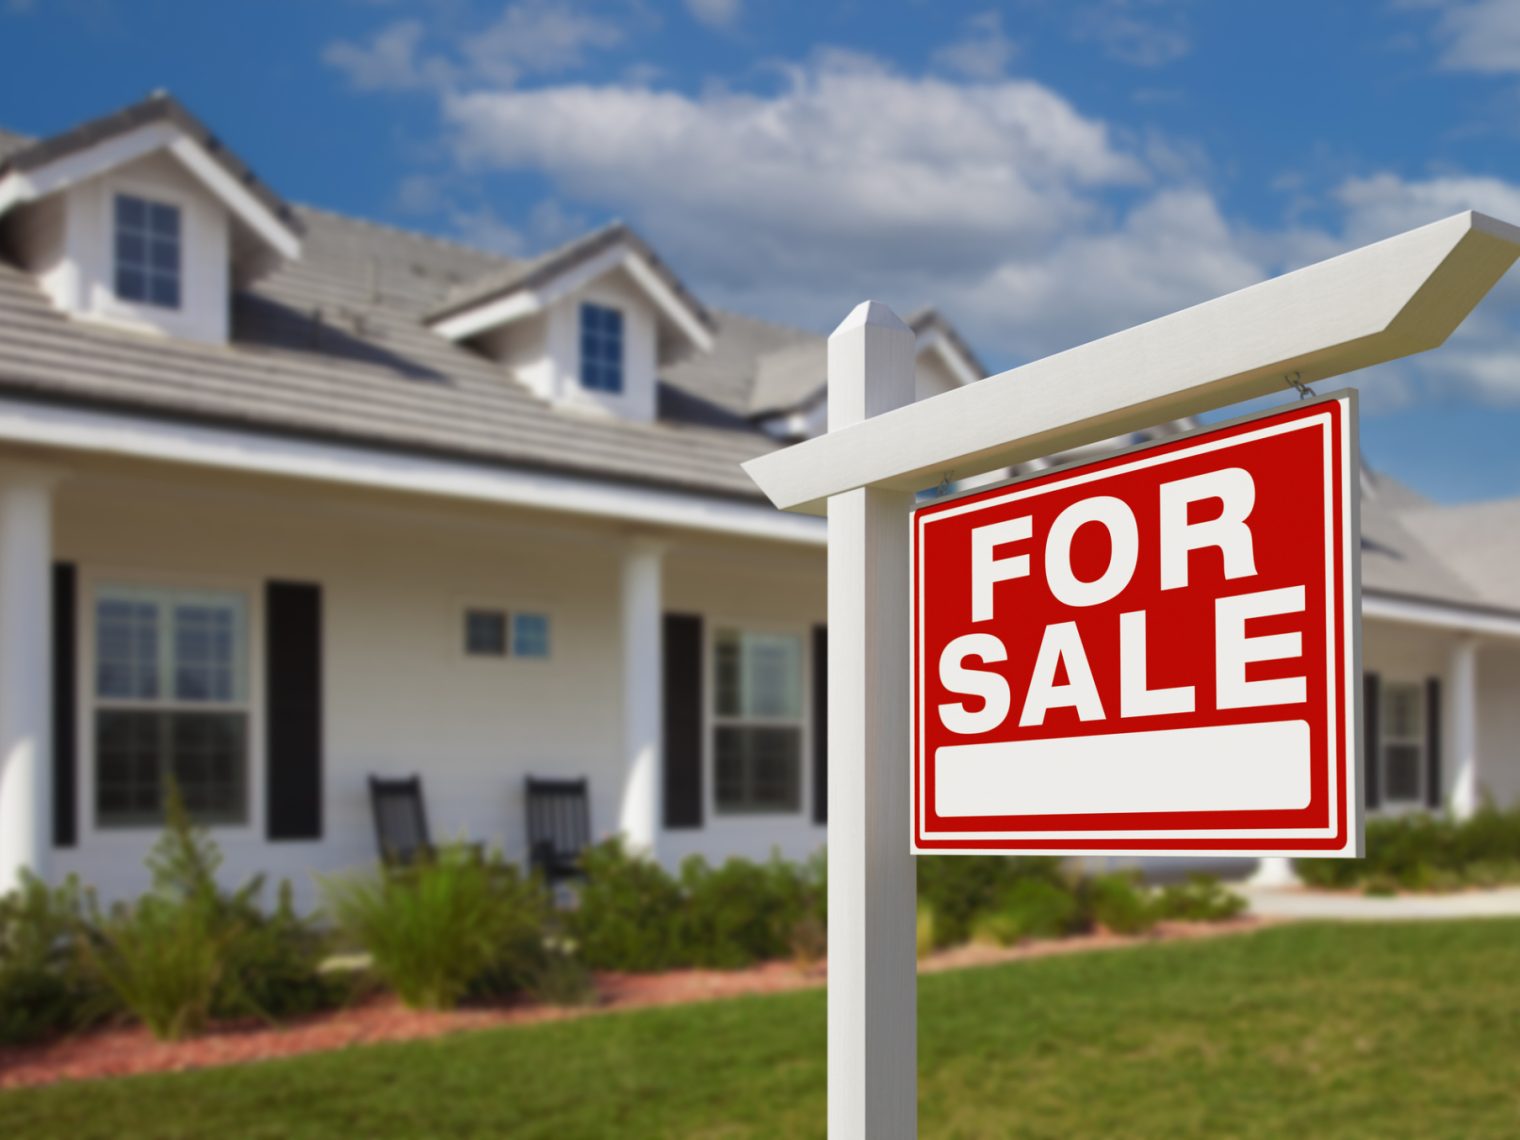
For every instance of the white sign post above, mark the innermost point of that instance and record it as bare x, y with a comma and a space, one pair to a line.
1375, 304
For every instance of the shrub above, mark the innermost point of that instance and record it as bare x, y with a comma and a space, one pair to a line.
1118, 903
1201, 898
961, 888
1031, 908
1423, 852
925, 932
457, 924
45, 985
559, 977
628, 913
188, 951
738, 913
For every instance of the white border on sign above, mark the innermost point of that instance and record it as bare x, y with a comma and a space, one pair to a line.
1336, 698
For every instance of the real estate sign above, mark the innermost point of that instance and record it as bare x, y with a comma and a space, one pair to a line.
1154, 653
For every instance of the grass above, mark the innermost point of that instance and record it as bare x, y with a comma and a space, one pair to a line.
1315, 1030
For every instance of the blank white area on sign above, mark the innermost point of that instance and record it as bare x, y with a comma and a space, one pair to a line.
1231, 767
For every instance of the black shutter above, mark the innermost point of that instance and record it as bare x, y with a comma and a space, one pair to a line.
1371, 746
65, 705
683, 720
293, 698
1433, 797
820, 724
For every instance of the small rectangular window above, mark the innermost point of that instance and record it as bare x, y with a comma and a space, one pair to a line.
530, 635
147, 252
171, 671
601, 348
485, 633
757, 742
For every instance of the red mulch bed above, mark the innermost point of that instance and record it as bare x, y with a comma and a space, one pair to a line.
128, 1051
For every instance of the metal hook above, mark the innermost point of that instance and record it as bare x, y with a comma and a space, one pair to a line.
1295, 382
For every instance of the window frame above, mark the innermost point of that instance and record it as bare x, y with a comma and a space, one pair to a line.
1420, 740
457, 647
581, 361
94, 578
115, 194
713, 811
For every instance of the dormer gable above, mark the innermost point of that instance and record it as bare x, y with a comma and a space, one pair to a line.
788, 396
587, 326
142, 219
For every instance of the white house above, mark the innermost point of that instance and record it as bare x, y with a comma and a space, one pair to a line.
289, 499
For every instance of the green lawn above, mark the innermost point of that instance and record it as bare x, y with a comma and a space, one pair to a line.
1305, 1031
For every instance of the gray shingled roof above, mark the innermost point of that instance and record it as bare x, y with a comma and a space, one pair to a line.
334, 346
1480, 542
158, 107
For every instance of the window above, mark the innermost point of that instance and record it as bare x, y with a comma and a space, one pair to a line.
757, 732
1403, 740
170, 692
485, 633
530, 635
601, 349
147, 252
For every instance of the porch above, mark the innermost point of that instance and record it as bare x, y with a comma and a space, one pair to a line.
146, 626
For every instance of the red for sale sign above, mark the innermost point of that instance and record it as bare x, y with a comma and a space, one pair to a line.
1155, 653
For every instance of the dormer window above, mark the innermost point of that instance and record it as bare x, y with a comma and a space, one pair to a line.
147, 252
601, 349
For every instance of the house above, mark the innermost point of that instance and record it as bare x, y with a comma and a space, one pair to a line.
290, 499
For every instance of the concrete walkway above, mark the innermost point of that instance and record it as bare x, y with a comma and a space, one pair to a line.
1296, 902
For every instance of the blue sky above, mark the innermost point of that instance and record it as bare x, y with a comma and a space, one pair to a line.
1045, 171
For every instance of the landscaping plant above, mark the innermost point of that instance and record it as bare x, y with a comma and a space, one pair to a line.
1424, 852
46, 986
455, 924
629, 911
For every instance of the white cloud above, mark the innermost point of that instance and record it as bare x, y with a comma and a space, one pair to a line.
984, 52
531, 36
1143, 33
716, 13
1478, 35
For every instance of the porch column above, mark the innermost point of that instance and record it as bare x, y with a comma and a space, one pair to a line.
639, 819
26, 673
1462, 708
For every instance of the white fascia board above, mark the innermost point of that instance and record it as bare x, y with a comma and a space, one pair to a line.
36, 425
235, 196
668, 302
20, 187
1374, 304
1436, 615
472, 322
954, 360
93, 161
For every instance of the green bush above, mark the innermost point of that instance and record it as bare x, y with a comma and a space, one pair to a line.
1031, 907
628, 913
1118, 903
1421, 852
459, 924
1201, 898
738, 913
188, 951
924, 930
960, 888
46, 986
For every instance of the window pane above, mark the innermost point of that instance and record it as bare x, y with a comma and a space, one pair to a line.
131, 212
208, 761
129, 250
758, 768
485, 633
163, 220
165, 256
772, 676
128, 747
126, 648
728, 653
530, 635
1403, 719
163, 291
131, 284
207, 650
1402, 763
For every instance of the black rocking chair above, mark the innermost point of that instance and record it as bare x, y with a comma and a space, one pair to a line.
401, 828
559, 827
